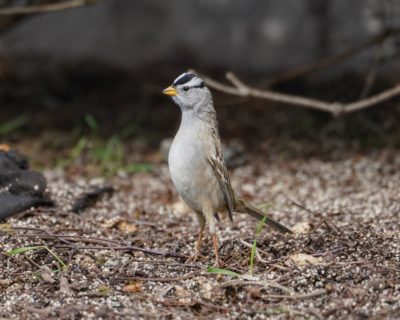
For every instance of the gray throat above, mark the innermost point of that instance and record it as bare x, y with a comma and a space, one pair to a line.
205, 114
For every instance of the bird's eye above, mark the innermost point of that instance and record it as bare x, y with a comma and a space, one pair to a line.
185, 88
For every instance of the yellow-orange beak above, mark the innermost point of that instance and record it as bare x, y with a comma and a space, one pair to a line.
170, 91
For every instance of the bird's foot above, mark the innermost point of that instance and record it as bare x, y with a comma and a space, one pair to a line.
218, 263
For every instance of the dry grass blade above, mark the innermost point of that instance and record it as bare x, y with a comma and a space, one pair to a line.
36, 248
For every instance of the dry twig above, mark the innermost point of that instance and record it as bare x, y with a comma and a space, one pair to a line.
42, 8
241, 89
258, 255
332, 60
330, 225
156, 279
103, 244
300, 296
266, 284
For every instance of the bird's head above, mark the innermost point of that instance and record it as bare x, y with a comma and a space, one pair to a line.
189, 91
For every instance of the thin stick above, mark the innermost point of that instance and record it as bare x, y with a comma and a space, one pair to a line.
258, 255
166, 279
238, 88
332, 60
33, 262
330, 225
116, 244
50, 7
169, 264
311, 294
257, 283
123, 248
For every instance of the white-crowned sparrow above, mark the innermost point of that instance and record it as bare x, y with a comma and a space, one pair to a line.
196, 163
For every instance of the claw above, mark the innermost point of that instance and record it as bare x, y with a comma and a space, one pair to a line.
197, 254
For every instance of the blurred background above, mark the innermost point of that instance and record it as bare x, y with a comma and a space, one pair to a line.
80, 89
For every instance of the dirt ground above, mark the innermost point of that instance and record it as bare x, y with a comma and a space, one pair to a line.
343, 262
335, 182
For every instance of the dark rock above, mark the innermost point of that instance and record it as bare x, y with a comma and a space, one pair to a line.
235, 154
20, 188
89, 199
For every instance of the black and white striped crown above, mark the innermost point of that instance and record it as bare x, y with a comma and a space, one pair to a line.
190, 80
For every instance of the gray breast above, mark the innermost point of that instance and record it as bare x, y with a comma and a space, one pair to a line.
190, 171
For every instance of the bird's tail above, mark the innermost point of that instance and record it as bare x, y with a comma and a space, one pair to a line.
244, 207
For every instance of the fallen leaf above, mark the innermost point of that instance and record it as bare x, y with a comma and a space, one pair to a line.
85, 261
111, 223
46, 274
5, 282
254, 292
64, 285
358, 291
6, 228
133, 287
181, 291
127, 227
4, 147
103, 290
122, 225
208, 290
301, 228
180, 207
302, 259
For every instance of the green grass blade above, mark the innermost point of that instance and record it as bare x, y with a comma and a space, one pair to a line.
225, 272
252, 256
260, 225
139, 167
79, 147
14, 124
22, 250
35, 248
92, 123
56, 257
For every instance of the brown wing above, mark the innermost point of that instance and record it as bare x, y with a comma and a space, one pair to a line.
217, 164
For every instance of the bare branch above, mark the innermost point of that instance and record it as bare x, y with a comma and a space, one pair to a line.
51, 7
335, 108
332, 60
241, 89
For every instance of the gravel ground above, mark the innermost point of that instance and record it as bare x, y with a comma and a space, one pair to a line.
343, 262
